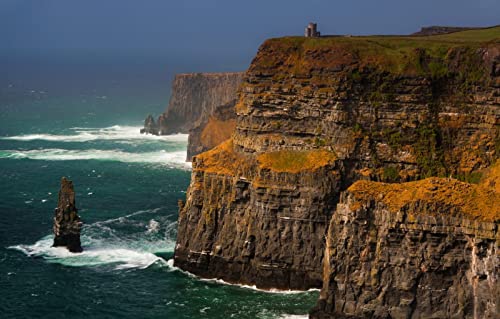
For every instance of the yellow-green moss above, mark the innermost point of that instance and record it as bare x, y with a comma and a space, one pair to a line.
477, 201
291, 161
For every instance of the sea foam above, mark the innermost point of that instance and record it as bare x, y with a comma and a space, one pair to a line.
86, 134
105, 244
176, 158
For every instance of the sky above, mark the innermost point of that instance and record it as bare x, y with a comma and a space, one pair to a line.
210, 35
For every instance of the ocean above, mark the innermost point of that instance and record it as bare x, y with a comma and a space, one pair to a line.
61, 117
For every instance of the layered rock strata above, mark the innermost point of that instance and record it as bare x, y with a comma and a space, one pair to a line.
427, 249
212, 130
194, 98
67, 223
315, 115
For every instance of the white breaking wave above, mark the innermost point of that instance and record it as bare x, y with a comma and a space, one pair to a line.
170, 264
176, 158
103, 244
123, 258
86, 134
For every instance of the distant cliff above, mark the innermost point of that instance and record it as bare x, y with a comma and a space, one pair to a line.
194, 99
435, 30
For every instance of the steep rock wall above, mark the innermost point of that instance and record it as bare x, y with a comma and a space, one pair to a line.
315, 115
194, 98
212, 130
427, 249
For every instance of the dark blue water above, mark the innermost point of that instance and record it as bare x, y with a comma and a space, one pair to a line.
82, 121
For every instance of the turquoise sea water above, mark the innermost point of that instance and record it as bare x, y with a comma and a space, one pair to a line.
127, 190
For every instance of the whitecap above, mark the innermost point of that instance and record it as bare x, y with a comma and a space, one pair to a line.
171, 267
176, 158
86, 134
123, 258
105, 244
153, 226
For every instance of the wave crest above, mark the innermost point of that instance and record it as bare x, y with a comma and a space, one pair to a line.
86, 134
176, 158
105, 243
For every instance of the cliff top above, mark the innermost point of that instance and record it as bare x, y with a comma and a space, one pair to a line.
395, 54
208, 74
479, 201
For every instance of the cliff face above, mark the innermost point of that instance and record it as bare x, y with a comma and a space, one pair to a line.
314, 115
194, 98
427, 249
67, 224
212, 130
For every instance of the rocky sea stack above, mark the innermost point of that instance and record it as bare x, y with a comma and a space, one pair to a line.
67, 223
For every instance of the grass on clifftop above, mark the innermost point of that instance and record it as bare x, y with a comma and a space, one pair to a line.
395, 54
480, 202
290, 161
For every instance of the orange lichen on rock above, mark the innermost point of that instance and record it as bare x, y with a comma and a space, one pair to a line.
291, 161
222, 160
480, 202
217, 131
491, 178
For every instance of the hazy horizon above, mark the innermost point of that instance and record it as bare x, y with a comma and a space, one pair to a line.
77, 46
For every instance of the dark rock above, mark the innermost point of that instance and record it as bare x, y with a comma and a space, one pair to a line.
150, 126
383, 125
67, 224
194, 98
419, 258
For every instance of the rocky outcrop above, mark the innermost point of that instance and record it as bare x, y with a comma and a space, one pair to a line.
315, 115
194, 98
150, 126
427, 249
67, 224
212, 130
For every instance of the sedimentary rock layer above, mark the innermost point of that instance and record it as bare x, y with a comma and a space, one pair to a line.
212, 130
67, 224
194, 98
315, 115
427, 249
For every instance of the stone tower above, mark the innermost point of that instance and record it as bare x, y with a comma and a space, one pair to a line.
312, 30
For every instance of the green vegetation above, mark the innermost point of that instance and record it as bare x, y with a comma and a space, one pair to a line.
390, 174
473, 178
292, 161
395, 54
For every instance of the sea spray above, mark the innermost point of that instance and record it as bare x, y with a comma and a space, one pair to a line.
122, 242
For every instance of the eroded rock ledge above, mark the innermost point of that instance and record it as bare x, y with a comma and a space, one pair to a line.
427, 249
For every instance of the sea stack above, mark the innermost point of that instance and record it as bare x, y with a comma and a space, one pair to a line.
67, 224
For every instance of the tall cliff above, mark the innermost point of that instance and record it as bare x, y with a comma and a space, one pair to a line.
317, 114
425, 249
194, 98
